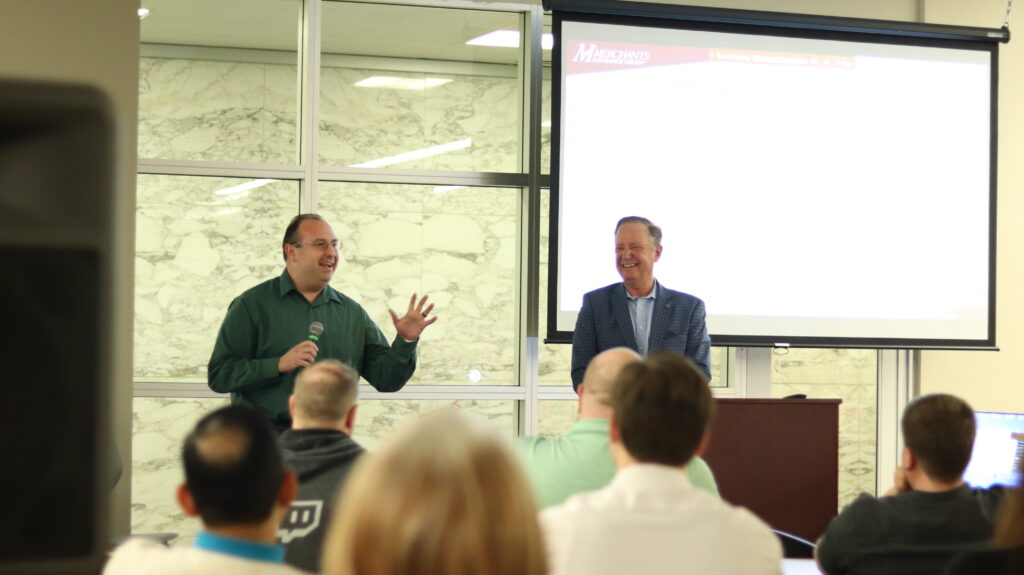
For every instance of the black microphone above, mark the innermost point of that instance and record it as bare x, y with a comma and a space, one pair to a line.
316, 329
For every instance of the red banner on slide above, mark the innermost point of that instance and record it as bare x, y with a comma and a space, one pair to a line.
583, 57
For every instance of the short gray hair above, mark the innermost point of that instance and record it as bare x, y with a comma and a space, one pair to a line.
326, 390
652, 229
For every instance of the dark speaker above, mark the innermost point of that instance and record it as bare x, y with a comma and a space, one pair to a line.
56, 224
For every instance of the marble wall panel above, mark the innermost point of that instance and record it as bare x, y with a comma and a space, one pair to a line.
360, 124
843, 374
161, 424
159, 427
377, 419
555, 416
219, 111
458, 246
197, 248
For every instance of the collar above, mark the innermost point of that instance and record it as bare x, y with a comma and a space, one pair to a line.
652, 476
653, 295
239, 547
285, 285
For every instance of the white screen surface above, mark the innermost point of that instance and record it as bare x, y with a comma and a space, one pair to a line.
806, 188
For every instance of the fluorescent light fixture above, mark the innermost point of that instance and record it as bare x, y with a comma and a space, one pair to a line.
402, 83
443, 189
241, 190
416, 154
508, 39
143, 12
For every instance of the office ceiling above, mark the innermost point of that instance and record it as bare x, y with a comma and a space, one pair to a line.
354, 28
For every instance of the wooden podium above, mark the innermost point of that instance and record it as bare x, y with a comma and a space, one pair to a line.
779, 458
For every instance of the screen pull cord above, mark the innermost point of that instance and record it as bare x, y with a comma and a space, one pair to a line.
1006, 21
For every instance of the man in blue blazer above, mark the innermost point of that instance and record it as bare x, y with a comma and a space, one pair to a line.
639, 313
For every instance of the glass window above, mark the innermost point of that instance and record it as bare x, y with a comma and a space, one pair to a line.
199, 242
430, 101
847, 374
556, 416
457, 244
219, 84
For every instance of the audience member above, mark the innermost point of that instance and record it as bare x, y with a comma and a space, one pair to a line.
651, 519
929, 514
581, 460
318, 447
1006, 556
235, 481
443, 497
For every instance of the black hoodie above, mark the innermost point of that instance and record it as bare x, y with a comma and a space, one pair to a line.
322, 459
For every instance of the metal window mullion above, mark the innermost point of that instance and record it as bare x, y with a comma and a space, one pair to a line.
528, 302
309, 103
895, 388
218, 169
445, 393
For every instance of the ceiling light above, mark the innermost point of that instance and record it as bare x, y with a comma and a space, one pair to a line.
416, 154
240, 191
402, 83
143, 12
508, 39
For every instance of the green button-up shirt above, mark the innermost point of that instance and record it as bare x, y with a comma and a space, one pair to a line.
266, 321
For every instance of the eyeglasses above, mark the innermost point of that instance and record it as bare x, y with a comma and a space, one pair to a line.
320, 245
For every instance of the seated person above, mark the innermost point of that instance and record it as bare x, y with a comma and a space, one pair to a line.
235, 481
650, 519
1005, 555
581, 459
319, 447
929, 514
445, 496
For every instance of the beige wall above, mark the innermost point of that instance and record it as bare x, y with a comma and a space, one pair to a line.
991, 381
93, 42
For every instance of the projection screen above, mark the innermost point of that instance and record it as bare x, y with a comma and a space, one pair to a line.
818, 188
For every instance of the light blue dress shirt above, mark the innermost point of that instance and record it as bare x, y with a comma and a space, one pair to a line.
641, 310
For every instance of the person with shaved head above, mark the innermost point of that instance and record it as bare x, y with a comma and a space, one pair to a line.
320, 449
581, 460
236, 483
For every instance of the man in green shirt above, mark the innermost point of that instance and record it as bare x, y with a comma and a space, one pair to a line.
269, 332
581, 459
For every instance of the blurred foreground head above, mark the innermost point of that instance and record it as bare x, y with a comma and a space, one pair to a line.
444, 495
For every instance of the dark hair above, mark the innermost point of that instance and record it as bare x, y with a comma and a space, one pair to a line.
939, 430
652, 229
291, 233
663, 407
233, 466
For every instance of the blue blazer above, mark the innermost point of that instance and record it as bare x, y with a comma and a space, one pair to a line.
678, 324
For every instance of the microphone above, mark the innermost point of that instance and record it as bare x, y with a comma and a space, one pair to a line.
316, 329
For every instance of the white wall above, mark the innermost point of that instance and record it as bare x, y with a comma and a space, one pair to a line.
92, 42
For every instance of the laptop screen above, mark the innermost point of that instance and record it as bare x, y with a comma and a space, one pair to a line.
996, 456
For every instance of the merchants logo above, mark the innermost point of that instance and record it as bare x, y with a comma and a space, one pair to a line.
302, 519
593, 54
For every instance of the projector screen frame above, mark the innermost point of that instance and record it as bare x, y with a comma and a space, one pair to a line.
792, 26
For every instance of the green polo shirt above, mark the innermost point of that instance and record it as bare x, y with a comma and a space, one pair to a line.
581, 460
266, 321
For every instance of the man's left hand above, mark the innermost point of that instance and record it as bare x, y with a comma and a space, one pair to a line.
415, 320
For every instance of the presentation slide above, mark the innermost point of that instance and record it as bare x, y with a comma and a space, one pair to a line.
806, 187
